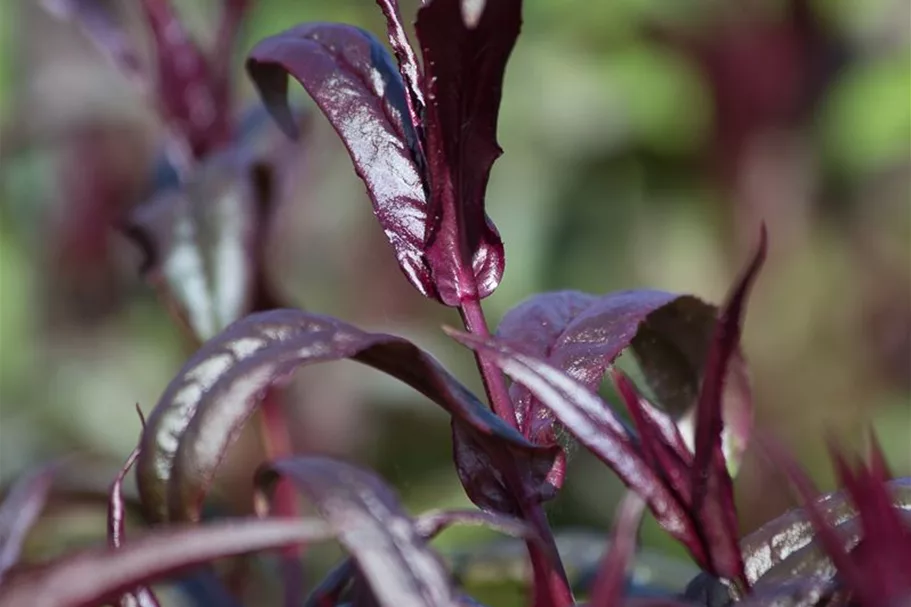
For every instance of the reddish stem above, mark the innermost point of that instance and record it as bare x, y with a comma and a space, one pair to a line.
551, 586
277, 445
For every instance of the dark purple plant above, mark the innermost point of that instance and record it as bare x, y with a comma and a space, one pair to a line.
423, 139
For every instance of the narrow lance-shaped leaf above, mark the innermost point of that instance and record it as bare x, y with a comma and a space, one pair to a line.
20, 509
402, 570
611, 580
102, 26
97, 576
464, 67
428, 526
205, 406
354, 81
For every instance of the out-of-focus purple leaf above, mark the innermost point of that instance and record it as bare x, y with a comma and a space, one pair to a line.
353, 80
232, 15
428, 526
203, 243
365, 513
205, 406
596, 426
99, 21
196, 109
464, 66
583, 334
711, 485
97, 576
20, 509
141, 596
611, 580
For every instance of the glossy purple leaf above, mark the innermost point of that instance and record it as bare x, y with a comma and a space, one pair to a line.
353, 80
464, 66
101, 24
408, 62
205, 406
141, 596
97, 576
583, 335
372, 525
428, 526
203, 243
597, 427
20, 509
611, 580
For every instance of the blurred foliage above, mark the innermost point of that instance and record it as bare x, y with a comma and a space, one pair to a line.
631, 159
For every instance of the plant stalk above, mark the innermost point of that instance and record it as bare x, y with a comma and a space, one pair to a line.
277, 444
551, 586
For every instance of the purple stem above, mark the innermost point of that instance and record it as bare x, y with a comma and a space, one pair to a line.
551, 586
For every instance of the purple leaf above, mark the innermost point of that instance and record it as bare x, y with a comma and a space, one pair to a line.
428, 526
205, 406
408, 62
203, 243
583, 334
353, 80
464, 66
101, 25
97, 576
20, 509
611, 580
372, 525
712, 489
596, 426
188, 98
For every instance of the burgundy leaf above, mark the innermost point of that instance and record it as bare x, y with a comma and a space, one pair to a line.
205, 406
101, 25
596, 426
611, 580
583, 334
408, 62
143, 595
393, 556
353, 80
189, 100
20, 509
464, 66
428, 526
203, 243
97, 576
712, 489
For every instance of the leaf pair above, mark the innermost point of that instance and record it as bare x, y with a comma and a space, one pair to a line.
690, 494
389, 547
422, 138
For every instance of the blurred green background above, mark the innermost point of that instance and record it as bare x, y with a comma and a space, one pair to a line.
644, 140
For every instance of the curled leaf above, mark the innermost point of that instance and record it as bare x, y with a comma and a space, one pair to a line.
205, 406
390, 552
97, 576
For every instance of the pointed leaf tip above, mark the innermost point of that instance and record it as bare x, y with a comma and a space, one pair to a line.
611, 580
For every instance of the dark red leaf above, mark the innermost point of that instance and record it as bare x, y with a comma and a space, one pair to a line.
195, 108
204, 407
712, 488
97, 576
408, 62
428, 526
611, 580
596, 426
353, 80
365, 513
583, 334
102, 26
203, 243
464, 66
20, 509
